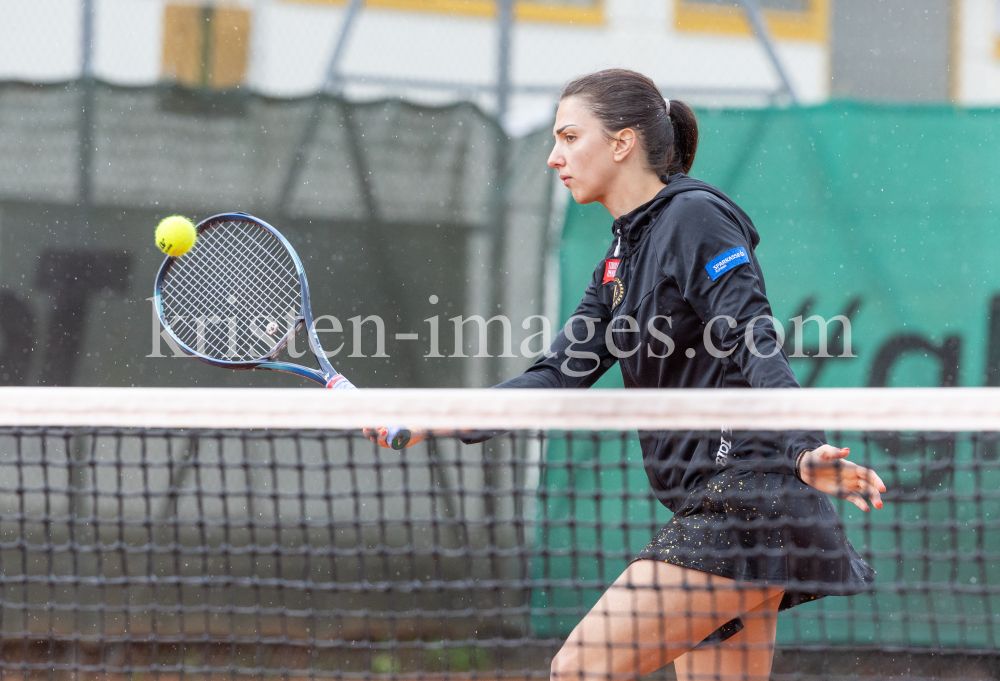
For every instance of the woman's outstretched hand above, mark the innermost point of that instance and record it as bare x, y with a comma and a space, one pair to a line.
827, 469
380, 437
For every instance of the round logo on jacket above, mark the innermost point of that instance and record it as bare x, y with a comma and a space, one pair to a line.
619, 293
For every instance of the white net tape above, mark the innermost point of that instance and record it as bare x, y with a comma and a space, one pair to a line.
868, 409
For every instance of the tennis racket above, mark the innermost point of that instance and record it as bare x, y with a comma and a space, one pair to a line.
238, 297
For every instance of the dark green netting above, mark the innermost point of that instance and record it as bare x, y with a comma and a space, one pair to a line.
388, 203
890, 216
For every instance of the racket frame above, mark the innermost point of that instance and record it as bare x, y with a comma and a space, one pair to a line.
326, 376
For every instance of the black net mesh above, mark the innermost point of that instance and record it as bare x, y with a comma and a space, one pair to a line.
312, 554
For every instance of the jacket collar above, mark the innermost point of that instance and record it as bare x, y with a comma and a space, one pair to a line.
634, 225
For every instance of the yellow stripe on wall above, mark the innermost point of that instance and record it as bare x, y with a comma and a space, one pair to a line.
182, 44
996, 48
523, 11
572, 14
230, 46
205, 46
811, 24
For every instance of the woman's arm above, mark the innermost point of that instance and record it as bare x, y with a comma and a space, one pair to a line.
579, 355
576, 359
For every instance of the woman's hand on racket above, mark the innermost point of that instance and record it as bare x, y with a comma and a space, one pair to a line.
380, 436
827, 469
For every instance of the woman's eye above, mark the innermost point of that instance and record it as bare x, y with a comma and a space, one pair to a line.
570, 138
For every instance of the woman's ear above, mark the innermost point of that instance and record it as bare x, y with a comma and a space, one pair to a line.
622, 144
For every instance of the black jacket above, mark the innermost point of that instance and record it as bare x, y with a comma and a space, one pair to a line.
685, 258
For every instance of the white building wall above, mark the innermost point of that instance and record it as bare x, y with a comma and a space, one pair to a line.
40, 40
978, 53
128, 35
635, 34
292, 42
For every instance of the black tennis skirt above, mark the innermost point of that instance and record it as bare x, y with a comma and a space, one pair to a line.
771, 528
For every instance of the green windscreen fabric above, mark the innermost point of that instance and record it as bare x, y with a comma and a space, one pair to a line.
889, 216
389, 204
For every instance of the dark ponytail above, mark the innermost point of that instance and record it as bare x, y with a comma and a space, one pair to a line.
625, 99
685, 136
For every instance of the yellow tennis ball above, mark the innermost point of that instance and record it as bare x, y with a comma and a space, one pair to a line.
175, 235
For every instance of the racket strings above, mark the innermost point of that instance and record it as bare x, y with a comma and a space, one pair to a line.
208, 326
207, 310
211, 308
238, 283
253, 279
252, 284
239, 333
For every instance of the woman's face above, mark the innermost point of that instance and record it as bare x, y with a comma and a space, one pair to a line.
583, 154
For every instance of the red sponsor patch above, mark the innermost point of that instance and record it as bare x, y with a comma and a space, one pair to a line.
610, 270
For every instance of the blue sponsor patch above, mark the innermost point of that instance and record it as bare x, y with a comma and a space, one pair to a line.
727, 261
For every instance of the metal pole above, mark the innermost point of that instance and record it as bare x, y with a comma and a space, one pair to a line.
86, 121
87, 39
764, 35
505, 22
498, 245
333, 68
311, 128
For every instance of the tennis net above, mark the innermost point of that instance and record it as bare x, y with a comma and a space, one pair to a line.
257, 534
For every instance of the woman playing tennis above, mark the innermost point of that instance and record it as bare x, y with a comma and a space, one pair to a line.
679, 302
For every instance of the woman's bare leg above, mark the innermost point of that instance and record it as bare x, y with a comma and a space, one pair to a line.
651, 615
747, 656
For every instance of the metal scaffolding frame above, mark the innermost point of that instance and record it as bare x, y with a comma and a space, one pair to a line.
763, 34
503, 87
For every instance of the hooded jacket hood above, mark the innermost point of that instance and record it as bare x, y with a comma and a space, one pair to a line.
633, 226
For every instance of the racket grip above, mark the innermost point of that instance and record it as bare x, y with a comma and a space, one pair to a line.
397, 437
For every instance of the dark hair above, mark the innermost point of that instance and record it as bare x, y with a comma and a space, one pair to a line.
625, 99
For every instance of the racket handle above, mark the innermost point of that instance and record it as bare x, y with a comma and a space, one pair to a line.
396, 437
